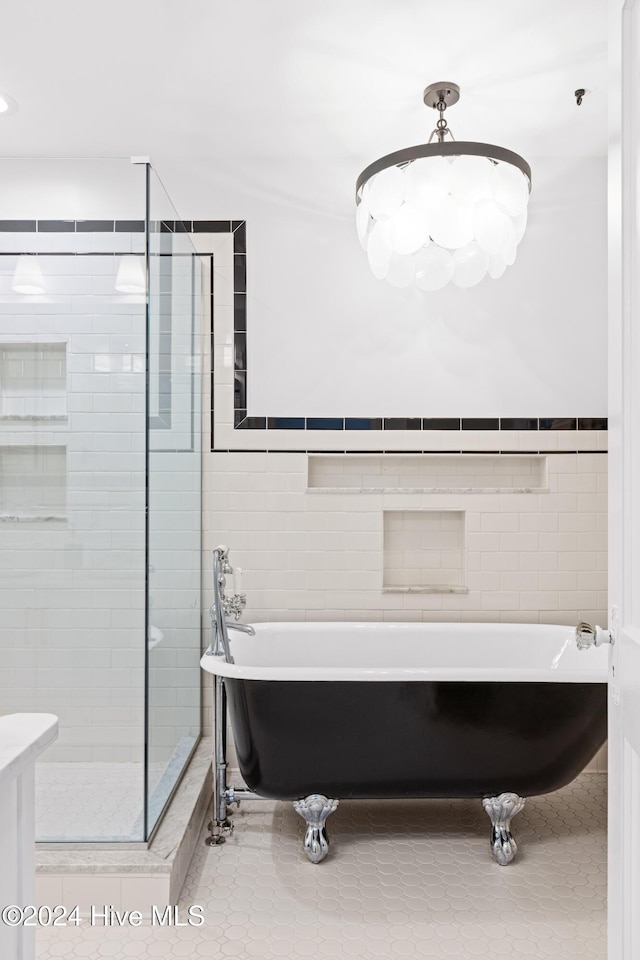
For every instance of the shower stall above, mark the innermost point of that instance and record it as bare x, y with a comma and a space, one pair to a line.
100, 488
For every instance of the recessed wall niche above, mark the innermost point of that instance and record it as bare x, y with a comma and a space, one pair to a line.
33, 482
504, 473
33, 381
424, 551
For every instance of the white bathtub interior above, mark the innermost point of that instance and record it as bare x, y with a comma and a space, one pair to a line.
410, 651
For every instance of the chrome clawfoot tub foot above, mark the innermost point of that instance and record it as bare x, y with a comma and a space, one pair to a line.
500, 810
315, 809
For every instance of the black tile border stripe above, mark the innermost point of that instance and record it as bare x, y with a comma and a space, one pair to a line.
407, 453
238, 229
73, 226
413, 423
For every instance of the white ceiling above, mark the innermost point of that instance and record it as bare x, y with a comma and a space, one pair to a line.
198, 84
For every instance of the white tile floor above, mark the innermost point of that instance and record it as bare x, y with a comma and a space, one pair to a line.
91, 801
407, 879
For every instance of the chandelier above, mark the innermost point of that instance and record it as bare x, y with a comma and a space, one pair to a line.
449, 211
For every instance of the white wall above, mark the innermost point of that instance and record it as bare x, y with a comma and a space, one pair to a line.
42, 189
326, 338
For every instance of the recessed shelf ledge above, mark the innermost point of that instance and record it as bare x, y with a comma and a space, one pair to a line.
34, 416
32, 517
427, 473
428, 490
430, 589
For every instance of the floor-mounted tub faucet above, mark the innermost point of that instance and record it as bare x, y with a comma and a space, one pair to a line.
223, 606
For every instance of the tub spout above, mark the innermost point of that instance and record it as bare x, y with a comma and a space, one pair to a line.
242, 627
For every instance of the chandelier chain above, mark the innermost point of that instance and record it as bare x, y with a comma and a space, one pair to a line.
441, 129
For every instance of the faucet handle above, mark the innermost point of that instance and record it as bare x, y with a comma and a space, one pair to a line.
585, 635
588, 636
235, 604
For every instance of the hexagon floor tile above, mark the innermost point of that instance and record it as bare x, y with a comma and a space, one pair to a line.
407, 878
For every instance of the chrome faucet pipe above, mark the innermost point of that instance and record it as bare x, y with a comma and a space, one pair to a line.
220, 637
223, 606
225, 566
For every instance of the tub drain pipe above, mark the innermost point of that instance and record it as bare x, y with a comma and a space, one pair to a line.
221, 827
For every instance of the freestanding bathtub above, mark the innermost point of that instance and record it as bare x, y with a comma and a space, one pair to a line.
322, 711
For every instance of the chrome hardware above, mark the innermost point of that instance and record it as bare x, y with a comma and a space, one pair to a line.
242, 627
223, 552
230, 797
223, 606
588, 636
236, 794
220, 826
219, 637
500, 811
234, 605
219, 830
315, 809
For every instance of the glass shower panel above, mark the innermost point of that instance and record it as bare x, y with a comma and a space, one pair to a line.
72, 487
174, 511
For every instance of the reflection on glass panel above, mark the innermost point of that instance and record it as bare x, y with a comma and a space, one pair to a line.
175, 304
83, 359
72, 491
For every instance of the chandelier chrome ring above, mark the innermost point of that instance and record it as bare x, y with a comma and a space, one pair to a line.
444, 211
454, 149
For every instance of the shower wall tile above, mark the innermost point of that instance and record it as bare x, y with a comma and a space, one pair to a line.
76, 586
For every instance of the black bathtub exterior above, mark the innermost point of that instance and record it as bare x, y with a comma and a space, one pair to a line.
389, 739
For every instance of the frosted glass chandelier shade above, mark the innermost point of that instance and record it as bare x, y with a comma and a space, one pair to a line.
131, 275
443, 213
27, 276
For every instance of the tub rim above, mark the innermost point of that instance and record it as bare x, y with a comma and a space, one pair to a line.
595, 668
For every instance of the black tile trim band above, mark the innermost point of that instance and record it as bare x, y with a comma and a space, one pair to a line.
405, 453
72, 226
242, 421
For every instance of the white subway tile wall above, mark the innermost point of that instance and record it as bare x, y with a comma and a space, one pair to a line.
305, 555
33, 482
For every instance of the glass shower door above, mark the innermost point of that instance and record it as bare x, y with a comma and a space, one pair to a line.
72, 486
174, 500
